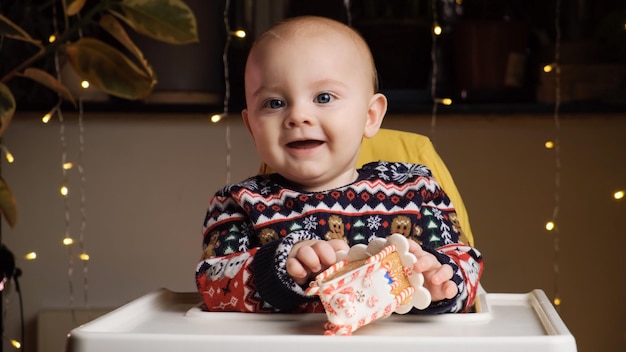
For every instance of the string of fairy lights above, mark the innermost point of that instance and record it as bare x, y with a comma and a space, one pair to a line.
437, 31
348, 6
66, 166
556, 145
64, 189
434, 70
215, 118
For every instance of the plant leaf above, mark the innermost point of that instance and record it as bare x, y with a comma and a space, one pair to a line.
170, 21
46, 79
8, 205
7, 107
108, 69
74, 6
11, 30
115, 28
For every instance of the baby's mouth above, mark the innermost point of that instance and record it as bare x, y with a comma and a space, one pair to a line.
306, 144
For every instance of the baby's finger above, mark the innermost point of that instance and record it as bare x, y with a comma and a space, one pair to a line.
338, 244
416, 249
326, 254
426, 262
446, 291
298, 273
308, 258
449, 290
442, 274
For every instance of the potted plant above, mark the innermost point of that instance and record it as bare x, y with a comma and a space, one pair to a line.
92, 37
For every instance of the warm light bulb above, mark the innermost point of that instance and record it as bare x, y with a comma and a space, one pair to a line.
64, 190
240, 33
215, 118
68, 165
618, 195
549, 144
547, 68
550, 226
16, 344
437, 29
46, 118
68, 241
444, 101
459, 2
52, 38
8, 155
557, 301
84, 84
31, 256
84, 257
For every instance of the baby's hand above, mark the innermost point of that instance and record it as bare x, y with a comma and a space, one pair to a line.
437, 276
309, 258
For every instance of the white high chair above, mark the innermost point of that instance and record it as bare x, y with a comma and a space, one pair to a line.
164, 321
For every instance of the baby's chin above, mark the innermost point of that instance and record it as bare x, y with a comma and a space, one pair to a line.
316, 181
306, 181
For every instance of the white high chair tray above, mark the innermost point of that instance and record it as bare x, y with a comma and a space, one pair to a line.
167, 321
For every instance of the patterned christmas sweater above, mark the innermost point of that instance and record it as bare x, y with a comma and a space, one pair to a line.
250, 228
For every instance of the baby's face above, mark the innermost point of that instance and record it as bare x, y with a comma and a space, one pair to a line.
308, 101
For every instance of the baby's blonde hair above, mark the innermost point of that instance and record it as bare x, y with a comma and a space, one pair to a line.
295, 26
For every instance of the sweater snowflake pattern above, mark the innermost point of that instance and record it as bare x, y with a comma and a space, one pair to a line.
251, 227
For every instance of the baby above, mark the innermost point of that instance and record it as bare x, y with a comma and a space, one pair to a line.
311, 97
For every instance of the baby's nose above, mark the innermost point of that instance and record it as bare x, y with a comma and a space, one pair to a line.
298, 115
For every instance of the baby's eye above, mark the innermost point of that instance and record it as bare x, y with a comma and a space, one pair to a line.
274, 104
323, 98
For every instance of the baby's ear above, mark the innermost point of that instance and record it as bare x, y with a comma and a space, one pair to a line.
375, 114
244, 116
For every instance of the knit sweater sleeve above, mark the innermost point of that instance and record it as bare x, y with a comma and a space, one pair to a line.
467, 266
443, 237
467, 263
236, 272
269, 269
223, 275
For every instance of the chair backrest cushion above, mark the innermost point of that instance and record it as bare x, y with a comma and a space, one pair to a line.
393, 145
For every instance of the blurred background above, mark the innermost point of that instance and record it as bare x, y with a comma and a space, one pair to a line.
149, 167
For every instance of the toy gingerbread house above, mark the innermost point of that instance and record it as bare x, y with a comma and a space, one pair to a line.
369, 283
